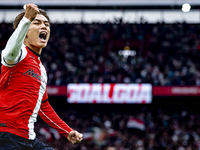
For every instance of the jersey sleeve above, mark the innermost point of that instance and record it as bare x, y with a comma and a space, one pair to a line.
12, 53
48, 114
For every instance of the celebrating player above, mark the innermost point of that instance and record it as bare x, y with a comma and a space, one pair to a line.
23, 85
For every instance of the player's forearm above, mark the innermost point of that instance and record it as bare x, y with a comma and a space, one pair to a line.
48, 114
14, 43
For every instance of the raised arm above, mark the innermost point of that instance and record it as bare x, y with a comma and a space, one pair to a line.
11, 53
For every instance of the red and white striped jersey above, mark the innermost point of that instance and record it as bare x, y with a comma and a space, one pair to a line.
23, 95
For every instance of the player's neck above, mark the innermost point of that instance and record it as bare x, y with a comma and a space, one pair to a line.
34, 48
37, 50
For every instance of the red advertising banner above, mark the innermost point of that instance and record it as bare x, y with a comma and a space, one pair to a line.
57, 90
119, 93
176, 91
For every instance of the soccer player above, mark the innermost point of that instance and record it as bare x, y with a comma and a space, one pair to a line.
23, 85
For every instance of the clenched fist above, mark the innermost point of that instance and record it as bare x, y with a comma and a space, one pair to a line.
31, 11
75, 137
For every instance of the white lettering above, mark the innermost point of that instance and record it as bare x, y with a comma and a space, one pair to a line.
109, 93
185, 90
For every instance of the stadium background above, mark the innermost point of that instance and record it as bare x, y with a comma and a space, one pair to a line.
85, 39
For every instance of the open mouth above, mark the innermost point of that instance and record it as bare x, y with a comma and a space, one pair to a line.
43, 36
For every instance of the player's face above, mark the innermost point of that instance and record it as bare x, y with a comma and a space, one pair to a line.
38, 33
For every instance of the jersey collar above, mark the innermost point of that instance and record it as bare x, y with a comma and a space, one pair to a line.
33, 51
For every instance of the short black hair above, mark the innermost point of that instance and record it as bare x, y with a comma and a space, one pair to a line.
21, 15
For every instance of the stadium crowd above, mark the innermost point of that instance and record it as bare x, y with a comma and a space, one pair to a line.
82, 53
167, 54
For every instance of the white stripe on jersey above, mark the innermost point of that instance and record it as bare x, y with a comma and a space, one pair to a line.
33, 117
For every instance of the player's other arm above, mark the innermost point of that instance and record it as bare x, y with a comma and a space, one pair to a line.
11, 53
48, 114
